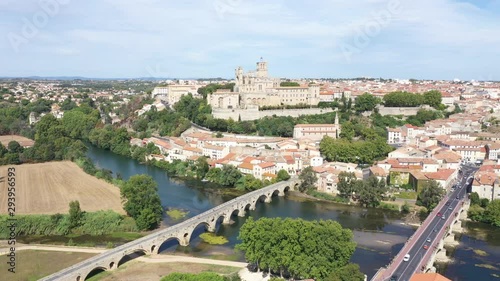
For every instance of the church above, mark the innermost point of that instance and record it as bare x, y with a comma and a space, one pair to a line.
255, 88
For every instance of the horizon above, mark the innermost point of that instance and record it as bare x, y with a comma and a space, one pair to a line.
429, 40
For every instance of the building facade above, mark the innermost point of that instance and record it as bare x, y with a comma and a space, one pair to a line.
256, 89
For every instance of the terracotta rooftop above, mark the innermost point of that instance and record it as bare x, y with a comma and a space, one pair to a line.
428, 277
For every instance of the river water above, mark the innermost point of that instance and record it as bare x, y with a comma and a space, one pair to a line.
380, 234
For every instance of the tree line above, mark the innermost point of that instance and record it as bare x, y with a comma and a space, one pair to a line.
406, 99
484, 210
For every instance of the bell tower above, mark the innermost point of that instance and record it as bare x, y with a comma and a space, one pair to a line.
262, 68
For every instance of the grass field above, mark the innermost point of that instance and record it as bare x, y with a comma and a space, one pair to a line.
407, 195
20, 139
47, 188
33, 265
136, 270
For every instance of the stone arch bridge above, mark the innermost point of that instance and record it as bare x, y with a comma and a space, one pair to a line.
181, 232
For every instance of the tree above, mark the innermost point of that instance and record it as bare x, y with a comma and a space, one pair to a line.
350, 272
14, 147
202, 167
75, 214
430, 195
304, 249
474, 199
366, 102
492, 213
289, 84
282, 175
345, 185
142, 202
308, 179
433, 98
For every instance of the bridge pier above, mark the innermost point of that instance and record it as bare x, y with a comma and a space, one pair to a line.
281, 192
268, 199
457, 226
450, 239
441, 255
227, 219
241, 212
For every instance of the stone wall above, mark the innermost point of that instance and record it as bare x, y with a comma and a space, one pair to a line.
254, 113
405, 111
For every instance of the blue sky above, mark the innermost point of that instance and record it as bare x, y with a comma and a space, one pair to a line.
425, 39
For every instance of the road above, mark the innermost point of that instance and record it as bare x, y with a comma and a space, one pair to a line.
406, 269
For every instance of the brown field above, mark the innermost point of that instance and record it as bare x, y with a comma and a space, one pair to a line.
33, 265
135, 270
20, 139
47, 188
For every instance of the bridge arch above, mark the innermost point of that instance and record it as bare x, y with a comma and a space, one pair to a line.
93, 272
130, 255
156, 247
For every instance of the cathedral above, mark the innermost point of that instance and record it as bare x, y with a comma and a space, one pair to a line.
255, 88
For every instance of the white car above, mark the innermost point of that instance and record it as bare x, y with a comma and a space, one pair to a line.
407, 257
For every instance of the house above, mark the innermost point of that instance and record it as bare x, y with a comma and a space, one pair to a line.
316, 132
448, 159
428, 277
487, 185
471, 154
493, 152
215, 152
445, 177
395, 136
378, 172
263, 168
316, 161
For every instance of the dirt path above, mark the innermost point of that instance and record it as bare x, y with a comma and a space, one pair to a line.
148, 259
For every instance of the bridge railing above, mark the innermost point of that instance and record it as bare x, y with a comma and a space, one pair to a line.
389, 270
449, 223
123, 248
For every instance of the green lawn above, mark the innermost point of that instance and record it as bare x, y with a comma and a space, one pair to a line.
407, 195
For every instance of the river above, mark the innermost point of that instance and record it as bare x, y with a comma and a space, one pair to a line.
380, 234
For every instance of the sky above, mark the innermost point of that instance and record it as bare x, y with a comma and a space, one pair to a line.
402, 39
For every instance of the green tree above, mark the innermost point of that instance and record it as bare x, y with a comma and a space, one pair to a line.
282, 175
492, 213
304, 249
14, 147
229, 175
350, 272
289, 84
75, 214
142, 202
202, 167
430, 195
307, 179
345, 184
366, 102
433, 98
474, 199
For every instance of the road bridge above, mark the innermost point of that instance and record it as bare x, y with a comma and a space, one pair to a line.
181, 232
426, 245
